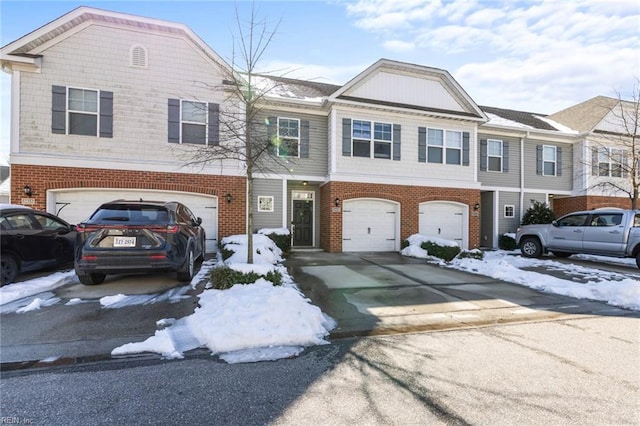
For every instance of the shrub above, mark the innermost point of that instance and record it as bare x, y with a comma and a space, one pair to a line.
404, 244
506, 242
472, 254
282, 241
225, 277
538, 213
443, 252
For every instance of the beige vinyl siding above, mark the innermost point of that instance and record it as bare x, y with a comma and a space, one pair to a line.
316, 163
510, 178
268, 188
550, 183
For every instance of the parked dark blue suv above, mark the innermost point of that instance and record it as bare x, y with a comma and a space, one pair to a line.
138, 236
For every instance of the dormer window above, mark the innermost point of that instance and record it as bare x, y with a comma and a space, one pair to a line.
138, 56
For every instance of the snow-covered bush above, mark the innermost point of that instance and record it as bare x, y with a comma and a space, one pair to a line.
225, 277
506, 242
423, 246
444, 252
471, 254
280, 236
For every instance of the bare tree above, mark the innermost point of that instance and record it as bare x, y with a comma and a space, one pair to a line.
615, 155
244, 134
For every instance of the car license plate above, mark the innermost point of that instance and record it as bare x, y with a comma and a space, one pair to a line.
124, 241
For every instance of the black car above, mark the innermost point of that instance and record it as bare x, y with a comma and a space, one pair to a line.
138, 236
32, 240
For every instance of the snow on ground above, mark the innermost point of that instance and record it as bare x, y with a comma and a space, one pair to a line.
587, 283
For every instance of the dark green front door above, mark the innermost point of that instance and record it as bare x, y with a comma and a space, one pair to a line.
303, 223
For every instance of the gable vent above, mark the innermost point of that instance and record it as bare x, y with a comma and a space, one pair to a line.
138, 56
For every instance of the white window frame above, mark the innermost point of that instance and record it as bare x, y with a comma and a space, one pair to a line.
554, 161
372, 140
446, 146
205, 124
82, 112
607, 156
265, 203
509, 207
285, 139
501, 156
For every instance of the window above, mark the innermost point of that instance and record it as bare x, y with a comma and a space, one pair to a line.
288, 137
494, 156
362, 139
265, 204
194, 122
549, 160
608, 219
444, 146
49, 223
83, 112
77, 111
573, 220
509, 211
611, 162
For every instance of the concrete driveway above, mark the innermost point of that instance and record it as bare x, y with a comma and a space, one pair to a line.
382, 293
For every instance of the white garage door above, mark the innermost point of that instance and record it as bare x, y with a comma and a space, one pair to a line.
445, 220
76, 205
370, 225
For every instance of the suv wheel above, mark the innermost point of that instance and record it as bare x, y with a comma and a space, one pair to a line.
185, 274
9, 270
531, 247
91, 279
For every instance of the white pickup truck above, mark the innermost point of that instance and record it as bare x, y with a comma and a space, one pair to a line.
605, 232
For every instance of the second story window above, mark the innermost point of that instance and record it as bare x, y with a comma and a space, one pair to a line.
611, 162
444, 146
549, 160
494, 155
83, 112
289, 137
79, 111
364, 139
194, 122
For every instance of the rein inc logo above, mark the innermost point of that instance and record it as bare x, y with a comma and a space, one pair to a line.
15, 420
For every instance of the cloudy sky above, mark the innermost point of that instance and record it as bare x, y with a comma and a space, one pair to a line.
538, 56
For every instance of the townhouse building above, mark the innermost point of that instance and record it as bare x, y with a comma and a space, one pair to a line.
107, 105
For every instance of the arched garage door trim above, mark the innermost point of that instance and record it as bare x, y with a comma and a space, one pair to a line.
76, 204
370, 224
449, 217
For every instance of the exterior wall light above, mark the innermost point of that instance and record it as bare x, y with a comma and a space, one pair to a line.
27, 191
229, 198
336, 201
476, 207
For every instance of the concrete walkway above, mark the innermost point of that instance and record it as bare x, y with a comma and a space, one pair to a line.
382, 293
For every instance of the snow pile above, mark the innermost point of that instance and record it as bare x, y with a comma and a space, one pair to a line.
21, 290
277, 231
612, 288
414, 248
246, 323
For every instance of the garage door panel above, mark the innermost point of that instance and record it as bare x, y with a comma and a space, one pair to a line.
442, 219
75, 206
369, 225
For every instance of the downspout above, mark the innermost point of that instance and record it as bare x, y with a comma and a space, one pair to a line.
522, 175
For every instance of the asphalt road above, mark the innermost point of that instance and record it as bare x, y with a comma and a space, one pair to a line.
582, 371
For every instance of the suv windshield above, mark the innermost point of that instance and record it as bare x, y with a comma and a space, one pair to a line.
131, 213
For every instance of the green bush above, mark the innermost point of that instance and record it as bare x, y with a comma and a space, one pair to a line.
505, 242
282, 241
472, 254
224, 277
538, 213
404, 244
443, 252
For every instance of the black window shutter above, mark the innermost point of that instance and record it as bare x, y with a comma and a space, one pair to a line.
539, 159
396, 141
558, 161
214, 124
174, 120
106, 114
465, 148
272, 133
58, 109
422, 144
483, 155
346, 137
505, 157
304, 138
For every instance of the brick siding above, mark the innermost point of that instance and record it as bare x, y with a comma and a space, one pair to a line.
562, 206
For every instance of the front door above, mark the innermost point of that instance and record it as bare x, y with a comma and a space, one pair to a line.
302, 222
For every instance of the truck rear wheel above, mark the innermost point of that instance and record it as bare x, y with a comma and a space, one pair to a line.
638, 259
531, 247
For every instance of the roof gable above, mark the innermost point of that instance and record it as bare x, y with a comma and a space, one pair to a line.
586, 116
403, 85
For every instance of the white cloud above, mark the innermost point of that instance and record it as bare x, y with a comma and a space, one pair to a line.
399, 46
